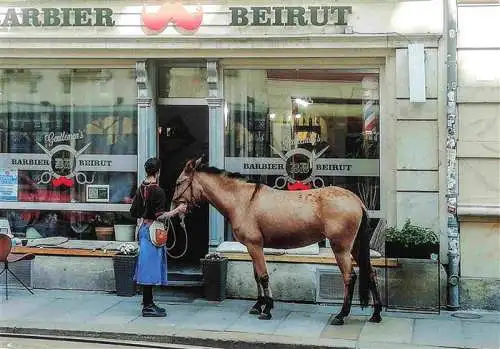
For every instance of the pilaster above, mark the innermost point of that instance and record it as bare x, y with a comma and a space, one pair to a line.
216, 140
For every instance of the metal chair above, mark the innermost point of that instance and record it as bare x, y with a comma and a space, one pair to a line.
6, 257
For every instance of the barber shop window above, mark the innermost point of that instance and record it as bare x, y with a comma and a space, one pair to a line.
66, 136
296, 129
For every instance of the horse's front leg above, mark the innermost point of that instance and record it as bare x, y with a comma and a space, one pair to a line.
257, 253
344, 262
257, 307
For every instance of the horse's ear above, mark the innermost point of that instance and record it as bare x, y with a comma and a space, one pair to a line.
198, 162
190, 165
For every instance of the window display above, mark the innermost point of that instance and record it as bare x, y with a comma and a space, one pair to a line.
67, 133
296, 129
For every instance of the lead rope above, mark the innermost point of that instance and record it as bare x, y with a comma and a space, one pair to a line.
170, 225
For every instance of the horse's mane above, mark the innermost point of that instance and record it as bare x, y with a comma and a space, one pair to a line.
215, 170
235, 175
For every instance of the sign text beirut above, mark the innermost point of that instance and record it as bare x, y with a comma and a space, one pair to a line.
290, 16
55, 17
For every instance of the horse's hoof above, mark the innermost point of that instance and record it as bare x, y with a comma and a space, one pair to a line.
375, 318
337, 321
254, 311
265, 316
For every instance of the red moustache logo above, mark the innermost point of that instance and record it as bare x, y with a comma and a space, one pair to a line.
155, 23
62, 181
299, 186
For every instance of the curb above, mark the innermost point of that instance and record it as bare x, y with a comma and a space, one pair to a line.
195, 338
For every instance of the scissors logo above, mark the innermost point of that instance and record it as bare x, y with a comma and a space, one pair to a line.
63, 160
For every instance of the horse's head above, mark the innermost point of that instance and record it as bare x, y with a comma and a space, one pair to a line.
187, 189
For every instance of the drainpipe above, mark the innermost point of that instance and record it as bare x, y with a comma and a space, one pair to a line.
451, 152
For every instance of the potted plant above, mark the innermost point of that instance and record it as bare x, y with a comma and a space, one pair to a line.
124, 267
124, 227
214, 267
103, 226
411, 241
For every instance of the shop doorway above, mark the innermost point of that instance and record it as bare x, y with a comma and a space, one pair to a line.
184, 134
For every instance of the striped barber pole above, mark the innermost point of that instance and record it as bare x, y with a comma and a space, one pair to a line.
370, 106
369, 118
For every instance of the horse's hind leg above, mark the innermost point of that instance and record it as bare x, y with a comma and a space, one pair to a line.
257, 307
343, 258
257, 254
377, 302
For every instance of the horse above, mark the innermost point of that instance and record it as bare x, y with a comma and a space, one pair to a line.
263, 217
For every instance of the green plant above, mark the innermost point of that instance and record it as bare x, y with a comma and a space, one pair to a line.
411, 235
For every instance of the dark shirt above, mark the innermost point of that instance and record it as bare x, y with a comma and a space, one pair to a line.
153, 196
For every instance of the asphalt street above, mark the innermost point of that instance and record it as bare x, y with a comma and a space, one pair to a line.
36, 343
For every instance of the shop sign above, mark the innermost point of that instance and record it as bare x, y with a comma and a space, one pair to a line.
8, 185
301, 167
55, 17
290, 15
61, 164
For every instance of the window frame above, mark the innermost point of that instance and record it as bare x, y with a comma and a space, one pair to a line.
358, 64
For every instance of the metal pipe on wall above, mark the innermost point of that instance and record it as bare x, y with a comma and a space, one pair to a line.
451, 151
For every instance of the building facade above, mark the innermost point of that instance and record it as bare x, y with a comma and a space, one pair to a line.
478, 151
296, 95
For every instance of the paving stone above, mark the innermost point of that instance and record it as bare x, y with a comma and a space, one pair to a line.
251, 323
350, 330
438, 332
481, 335
120, 313
214, 319
17, 307
234, 303
297, 307
308, 324
389, 330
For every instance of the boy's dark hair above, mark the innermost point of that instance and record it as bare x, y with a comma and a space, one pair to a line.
152, 166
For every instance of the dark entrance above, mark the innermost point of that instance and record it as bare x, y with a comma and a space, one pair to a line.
184, 135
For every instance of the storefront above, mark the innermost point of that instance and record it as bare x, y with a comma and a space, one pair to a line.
297, 96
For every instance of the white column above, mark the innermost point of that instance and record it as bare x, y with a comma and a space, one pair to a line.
216, 141
146, 116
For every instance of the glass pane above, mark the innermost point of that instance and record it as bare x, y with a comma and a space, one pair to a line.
300, 129
63, 130
182, 82
71, 224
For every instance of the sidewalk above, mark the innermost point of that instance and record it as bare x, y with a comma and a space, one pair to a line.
228, 325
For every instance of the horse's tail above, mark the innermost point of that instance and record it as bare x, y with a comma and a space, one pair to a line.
364, 263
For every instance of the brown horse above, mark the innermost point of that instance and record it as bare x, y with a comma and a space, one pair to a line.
265, 217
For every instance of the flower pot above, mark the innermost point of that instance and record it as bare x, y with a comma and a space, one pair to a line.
104, 233
124, 267
214, 278
398, 250
124, 233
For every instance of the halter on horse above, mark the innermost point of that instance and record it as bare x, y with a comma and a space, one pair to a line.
265, 217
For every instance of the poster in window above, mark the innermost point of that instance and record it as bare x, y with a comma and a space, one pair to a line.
8, 185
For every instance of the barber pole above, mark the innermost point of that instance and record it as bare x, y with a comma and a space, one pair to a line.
370, 109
